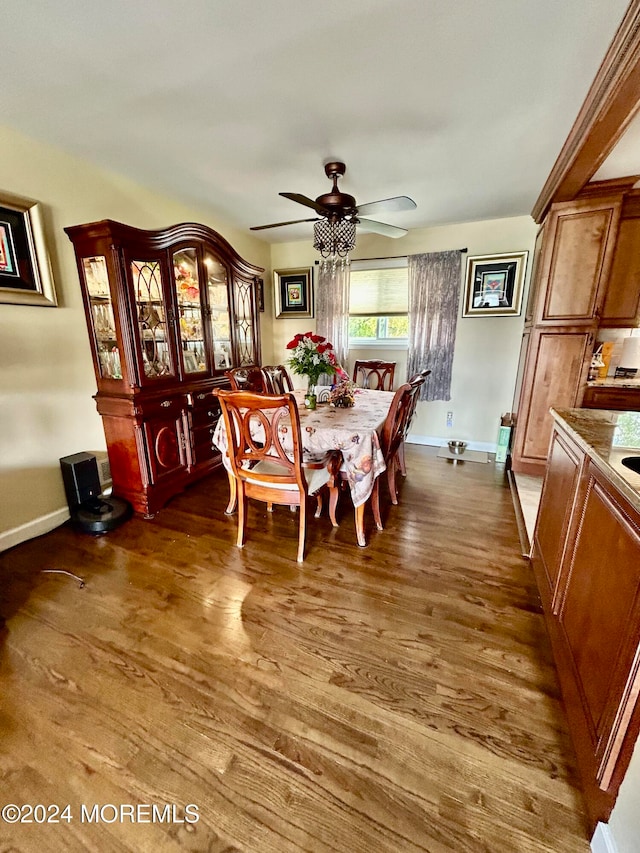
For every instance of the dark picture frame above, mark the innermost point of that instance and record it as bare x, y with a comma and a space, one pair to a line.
293, 292
25, 268
494, 285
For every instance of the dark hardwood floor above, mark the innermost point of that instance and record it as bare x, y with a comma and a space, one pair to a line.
396, 698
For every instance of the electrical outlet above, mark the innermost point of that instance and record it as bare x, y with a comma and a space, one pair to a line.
449, 419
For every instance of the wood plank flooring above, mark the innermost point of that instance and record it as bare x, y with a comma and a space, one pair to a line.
399, 698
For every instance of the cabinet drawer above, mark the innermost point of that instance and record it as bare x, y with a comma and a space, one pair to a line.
207, 414
619, 399
162, 406
202, 444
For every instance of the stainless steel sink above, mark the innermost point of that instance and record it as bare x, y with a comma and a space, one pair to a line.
632, 462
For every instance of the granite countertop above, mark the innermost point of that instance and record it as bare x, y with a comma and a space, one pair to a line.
611, 382
607, 437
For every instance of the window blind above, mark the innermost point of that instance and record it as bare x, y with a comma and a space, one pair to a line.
378, 292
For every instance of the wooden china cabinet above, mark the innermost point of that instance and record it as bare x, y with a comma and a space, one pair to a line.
168, 311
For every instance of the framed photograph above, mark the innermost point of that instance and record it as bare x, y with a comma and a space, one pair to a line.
293, 292
25, 270
494, 285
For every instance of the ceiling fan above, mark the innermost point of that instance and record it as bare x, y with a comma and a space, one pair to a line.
336, 206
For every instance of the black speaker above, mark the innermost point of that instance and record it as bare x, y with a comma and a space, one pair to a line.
80, 477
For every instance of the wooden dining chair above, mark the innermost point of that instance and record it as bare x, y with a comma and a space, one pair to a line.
276, 378
394, 432
261, 467
247, 379
419, 379
373, 374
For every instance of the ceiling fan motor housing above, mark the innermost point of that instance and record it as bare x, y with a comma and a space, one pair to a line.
338, 203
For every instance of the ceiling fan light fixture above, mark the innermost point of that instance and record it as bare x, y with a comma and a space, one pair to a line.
334, 239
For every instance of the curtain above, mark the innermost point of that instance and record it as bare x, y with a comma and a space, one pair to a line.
434, 294
332, 313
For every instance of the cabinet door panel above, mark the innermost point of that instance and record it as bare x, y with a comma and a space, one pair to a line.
560, 486
577, 265
622, 303
165, 444
600, 619
558, 365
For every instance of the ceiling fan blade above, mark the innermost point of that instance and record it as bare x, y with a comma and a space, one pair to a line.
308, 202
374, 227
387, 205
278, 224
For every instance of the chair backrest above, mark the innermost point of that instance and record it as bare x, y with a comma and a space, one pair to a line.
255, 433
377, 375
276, 378
247, 379
396, 425
419, 380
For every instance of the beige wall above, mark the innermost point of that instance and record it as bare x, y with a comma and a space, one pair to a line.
487, 348
46, 372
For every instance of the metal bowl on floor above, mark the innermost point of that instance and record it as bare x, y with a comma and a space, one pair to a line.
457, 447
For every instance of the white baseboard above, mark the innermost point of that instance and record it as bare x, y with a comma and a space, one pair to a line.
603, 841
437, 441
10, 538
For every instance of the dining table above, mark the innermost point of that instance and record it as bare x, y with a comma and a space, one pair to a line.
354, 431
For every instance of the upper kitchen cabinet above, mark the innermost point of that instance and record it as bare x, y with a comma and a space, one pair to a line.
167, 312
622, 301
575, 260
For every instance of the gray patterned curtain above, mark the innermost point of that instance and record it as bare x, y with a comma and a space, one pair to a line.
332, 313
434, 294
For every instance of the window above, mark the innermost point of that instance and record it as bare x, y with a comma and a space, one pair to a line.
378, 302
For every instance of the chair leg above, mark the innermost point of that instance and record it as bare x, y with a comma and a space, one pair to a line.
302, 529
375, 503
233, 495
242, 515
401, 462
391, 479
269, 506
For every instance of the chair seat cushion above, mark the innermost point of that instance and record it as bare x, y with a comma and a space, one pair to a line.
316, 477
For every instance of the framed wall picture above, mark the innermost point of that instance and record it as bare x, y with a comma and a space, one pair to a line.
494, 285
293, 292
25, 270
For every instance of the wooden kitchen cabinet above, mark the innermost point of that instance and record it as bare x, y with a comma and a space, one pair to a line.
573, 257
586, 558
622, 303
556, 505
555, 374
576, 258
609, 397
167, 311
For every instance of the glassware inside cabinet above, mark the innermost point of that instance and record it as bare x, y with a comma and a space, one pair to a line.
185, 271
217, 287
152, 322
103, 322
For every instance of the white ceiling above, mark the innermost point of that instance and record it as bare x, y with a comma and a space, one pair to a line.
461, 105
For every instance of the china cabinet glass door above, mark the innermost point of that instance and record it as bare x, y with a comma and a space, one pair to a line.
218, 293
151, 313
188, 297
103, 322
243, 294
